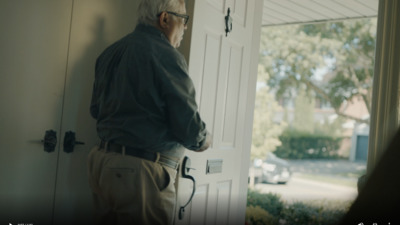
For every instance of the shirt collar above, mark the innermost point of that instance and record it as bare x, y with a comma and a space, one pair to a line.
149, 29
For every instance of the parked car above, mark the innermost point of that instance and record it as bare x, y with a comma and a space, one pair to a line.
271, 170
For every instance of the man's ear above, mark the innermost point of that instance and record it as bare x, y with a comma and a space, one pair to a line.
163, 20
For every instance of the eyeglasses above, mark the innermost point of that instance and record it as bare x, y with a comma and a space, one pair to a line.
185, 17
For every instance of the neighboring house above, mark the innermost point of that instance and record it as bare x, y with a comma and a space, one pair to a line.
355, 142
359, 132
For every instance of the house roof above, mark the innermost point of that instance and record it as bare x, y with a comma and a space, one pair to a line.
280, 12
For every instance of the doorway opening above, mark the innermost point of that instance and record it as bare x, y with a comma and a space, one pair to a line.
311, 120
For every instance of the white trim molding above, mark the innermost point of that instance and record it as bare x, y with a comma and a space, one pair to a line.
385, 96
250, 103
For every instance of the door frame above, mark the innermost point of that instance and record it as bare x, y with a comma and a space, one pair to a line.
385, 105
250, 105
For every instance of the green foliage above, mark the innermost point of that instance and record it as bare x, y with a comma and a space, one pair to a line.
269, 209
266, 132
307, 213
304, 112
335, 60
270, 202
255, 215
301, 145
330, 127
300, 213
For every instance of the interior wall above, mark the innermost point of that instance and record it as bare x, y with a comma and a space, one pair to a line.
185, 44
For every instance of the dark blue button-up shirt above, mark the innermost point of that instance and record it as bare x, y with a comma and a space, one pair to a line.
143, 96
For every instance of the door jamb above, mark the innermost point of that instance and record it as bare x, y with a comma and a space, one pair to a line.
385, 95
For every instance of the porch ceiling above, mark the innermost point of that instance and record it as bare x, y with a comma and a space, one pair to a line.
280, 12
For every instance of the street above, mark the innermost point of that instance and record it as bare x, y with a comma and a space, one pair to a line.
303, 186
299, 189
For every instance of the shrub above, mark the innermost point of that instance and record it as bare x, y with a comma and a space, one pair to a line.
300, 145
255, 215
270, 202
300, 213
270, 209
314, 214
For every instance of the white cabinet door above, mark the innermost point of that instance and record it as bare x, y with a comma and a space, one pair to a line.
95, 25
224, 78
33, 57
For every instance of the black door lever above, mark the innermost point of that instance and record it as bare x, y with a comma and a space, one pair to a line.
70, 142
185, 170
50, 141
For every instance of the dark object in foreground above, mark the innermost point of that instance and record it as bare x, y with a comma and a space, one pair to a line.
379, 199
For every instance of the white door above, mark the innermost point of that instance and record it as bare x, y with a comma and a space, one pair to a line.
33, 58
95, 25
224, 75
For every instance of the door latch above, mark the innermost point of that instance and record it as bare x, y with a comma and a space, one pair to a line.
50, 141
185, 170
70, 142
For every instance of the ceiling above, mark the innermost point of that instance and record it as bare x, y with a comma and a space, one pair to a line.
280, 12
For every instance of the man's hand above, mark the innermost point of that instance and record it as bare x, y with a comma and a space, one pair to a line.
207, 143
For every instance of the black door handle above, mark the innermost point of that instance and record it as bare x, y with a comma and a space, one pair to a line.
228, 22
50, 141
70, 142
185, 170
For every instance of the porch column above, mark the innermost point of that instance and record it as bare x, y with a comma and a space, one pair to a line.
385, 97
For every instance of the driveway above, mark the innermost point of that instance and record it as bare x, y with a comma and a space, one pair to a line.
319, 180
299, 189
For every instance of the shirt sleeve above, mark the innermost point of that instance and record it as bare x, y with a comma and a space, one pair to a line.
94, 104
182, 111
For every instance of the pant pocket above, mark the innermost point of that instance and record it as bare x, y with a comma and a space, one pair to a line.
162, 179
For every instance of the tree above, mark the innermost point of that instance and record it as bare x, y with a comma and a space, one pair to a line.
304, 112
334, 60
266, 132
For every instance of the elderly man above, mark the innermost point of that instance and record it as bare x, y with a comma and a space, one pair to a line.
144, 104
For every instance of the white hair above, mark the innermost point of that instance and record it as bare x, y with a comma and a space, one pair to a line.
149, 10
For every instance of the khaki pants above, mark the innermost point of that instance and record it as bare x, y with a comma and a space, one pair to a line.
130, 190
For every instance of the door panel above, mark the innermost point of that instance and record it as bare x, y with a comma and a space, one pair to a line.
220, 67
238, 11
218, 4
33, 57
223, 201
209, 79
95, 25
198, 205
231, 96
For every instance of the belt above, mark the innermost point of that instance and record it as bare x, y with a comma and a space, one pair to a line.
143, 154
